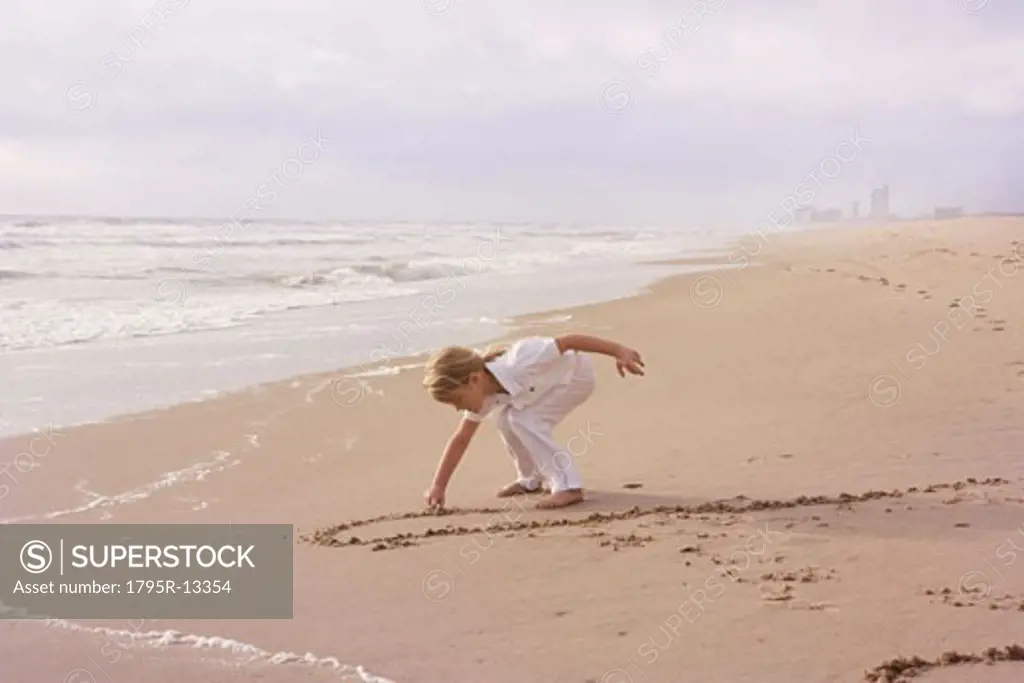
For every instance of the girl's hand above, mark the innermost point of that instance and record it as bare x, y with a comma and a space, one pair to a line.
435, 497
628, 359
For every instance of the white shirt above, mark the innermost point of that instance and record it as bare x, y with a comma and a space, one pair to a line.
527, 370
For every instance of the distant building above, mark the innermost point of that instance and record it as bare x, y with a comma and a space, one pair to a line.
826, 216
803, 214
947, 212
880, 203
855, 210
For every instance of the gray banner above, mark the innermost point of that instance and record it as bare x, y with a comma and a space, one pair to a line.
147, 571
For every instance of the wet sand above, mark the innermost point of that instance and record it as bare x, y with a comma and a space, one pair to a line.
820, 475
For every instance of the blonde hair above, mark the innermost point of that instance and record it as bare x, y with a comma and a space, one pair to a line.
451, 367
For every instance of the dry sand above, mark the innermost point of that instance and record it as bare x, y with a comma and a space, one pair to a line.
820, 474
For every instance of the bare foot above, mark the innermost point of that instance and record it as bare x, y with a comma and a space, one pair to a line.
516, 489
561, 499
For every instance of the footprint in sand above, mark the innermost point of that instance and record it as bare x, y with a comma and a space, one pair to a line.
630, 540
760, 458
772, 595
811, 574
815, 606
778, 586
822, 607
978, 312
977, 597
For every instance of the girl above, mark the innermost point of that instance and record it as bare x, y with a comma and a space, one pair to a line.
531, 386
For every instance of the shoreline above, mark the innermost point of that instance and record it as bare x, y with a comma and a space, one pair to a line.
107, 338
639, 271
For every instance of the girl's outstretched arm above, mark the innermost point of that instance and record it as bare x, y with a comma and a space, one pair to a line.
450, 459
625, 357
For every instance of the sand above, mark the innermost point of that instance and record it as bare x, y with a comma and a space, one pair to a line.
820, 474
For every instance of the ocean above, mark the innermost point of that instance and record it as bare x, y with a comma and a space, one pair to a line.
105, 317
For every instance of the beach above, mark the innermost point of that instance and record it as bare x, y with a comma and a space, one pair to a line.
821, 473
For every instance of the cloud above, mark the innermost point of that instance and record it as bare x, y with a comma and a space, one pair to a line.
492, 112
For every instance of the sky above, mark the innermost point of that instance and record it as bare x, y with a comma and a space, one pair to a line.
648, 112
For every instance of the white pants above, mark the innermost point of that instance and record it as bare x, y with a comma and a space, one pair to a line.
528, 433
